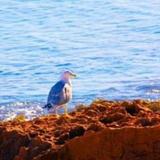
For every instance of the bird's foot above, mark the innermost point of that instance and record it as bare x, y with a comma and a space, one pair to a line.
67, 115
57, 115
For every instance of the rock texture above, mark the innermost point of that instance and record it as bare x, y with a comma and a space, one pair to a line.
106, 130
127, 143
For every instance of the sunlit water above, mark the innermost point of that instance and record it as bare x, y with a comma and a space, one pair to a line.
113, 46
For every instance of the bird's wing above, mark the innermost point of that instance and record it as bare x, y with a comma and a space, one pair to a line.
55, 93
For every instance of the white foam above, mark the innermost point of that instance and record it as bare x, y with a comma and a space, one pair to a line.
30, 110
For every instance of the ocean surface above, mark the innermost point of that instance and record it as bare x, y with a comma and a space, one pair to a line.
113, 47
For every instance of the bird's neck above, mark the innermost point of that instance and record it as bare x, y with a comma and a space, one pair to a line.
66, 80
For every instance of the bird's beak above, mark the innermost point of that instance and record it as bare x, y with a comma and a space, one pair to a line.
73, 75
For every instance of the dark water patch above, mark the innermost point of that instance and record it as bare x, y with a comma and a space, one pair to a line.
64, 65
5, 73
109, 90
157, 32
42, 73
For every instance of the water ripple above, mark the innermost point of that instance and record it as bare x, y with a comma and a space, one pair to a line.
113, 46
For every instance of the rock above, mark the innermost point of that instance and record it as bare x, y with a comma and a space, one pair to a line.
96, 126
107, 130
76, 131
112, 118
127, 143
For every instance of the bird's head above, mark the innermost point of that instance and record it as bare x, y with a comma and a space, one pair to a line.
68, 75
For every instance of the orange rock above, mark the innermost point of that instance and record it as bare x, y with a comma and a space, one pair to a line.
115, 144
107, 130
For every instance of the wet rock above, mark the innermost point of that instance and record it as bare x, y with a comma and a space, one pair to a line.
112, 118
96, 126
76, 131
22, 154
58, 133
63, 138
10, 143
91, 113
33, 134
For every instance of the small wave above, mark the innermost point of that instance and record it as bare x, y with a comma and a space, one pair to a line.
109, 90
30, 110
155, 91
148, 87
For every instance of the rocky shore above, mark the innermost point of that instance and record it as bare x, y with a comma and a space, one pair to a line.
105, 130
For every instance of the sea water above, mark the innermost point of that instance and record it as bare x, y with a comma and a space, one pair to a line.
113, 47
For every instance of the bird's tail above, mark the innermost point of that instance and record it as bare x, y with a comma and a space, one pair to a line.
48, 106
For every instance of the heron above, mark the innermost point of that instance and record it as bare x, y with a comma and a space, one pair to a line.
61, 93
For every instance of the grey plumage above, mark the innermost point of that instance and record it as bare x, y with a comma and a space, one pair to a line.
60, 93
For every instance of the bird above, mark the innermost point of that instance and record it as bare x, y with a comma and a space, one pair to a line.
61, 93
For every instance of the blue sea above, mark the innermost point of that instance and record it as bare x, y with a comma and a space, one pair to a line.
113, 47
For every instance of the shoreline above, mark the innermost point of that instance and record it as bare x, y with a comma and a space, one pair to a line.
117, 130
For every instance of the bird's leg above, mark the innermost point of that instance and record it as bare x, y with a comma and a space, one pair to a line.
65, 109
66, 112
55, 111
